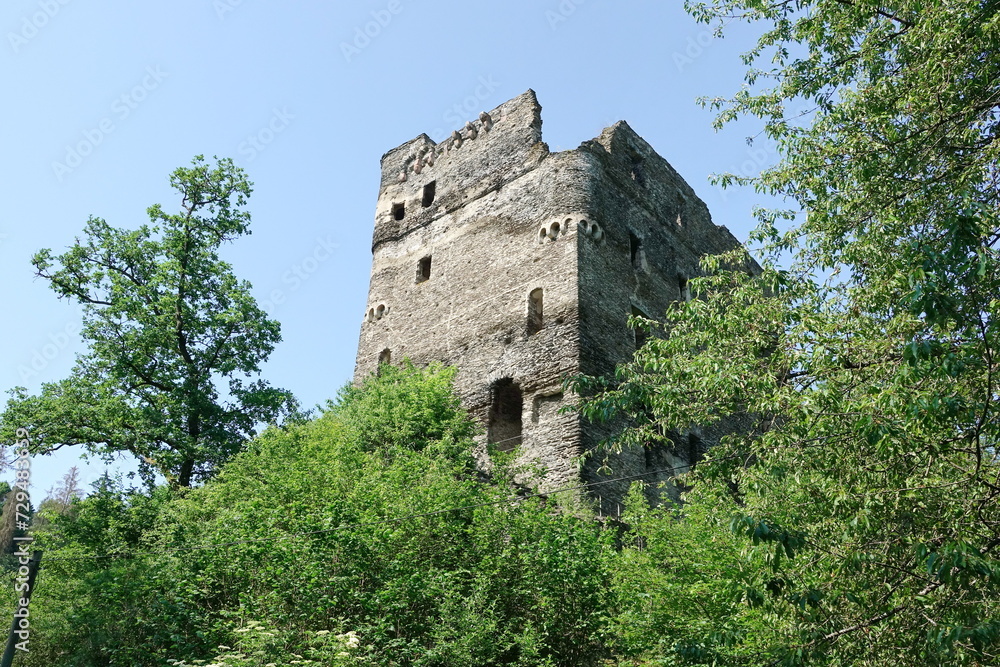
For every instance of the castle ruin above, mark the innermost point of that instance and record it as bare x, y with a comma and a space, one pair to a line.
521, 266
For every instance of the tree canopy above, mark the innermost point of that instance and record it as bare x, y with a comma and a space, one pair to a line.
166, 322
865, 354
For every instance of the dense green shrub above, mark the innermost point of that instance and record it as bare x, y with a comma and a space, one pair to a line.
317, 530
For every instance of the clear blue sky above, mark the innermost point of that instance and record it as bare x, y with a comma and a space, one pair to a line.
106, 99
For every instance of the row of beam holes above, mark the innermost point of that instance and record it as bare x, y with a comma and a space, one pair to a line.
378, 312
556, 229
591, 229
426, 199
553, 230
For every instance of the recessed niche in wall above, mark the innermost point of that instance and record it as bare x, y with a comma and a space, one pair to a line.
535, 322
424, 269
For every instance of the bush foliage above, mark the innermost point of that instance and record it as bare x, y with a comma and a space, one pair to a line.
325, 543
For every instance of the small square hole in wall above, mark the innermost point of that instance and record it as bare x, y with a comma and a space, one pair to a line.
424, 269
428, 197
398, 211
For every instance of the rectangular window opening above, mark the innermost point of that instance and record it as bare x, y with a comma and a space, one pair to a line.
682, 286
504, 426
428, 197
398, 211
424, 269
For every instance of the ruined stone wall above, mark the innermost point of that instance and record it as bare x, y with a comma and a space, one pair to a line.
493, 197
468, 230
656, 231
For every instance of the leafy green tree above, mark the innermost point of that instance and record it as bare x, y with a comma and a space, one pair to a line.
318, 543
863, 361
166, 322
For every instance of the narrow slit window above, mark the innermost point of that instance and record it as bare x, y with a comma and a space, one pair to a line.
641, 334
535, 321
428, 197
635, 251
424, 269
398, 211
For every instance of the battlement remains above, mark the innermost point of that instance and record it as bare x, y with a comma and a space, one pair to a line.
422, 180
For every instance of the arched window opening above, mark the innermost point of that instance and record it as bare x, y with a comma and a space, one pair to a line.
398, 211
504, 428
384, 359
535, 321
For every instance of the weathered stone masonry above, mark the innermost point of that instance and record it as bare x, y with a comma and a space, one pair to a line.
520, 266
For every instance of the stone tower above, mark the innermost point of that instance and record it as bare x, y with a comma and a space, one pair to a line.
521, 266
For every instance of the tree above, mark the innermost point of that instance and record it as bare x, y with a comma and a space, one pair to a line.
60, 498
864, 358
166, 321
8, 519
394, 540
